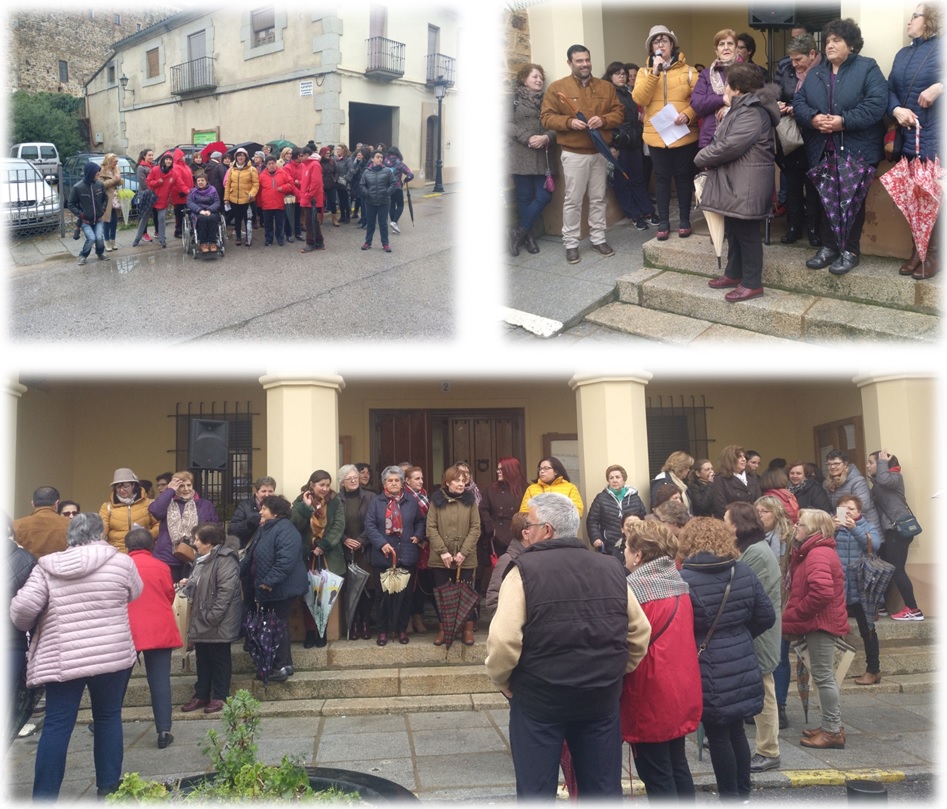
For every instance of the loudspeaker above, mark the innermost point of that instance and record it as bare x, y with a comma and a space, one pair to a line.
772, 15
209, 442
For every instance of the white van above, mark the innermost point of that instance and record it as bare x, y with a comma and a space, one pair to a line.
42, 155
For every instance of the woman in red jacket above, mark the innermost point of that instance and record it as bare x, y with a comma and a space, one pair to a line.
658, 711
816, 611
154, 628
311, 200
162, 180
179, 191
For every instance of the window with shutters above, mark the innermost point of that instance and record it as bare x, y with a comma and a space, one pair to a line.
154, 63
263, 22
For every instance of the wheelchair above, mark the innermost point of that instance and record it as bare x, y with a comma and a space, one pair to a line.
189, 237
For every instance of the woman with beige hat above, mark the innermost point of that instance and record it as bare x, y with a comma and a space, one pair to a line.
126, 507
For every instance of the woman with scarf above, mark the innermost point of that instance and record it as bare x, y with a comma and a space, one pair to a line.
803, 208
162, 180
320, 520
674, 472
732, 484
775, 483
815, 611
395, 528
887, 494
709, 97
608, 512
126, 507
179, 509
915, 84
749, 534
551, 476
657, 711
145, 196
424, 581
806, 486
204, 205
631, 193
528, 154
453, 528
240, 189
355, 502
699, 489
110, 175
667, 79
721, 585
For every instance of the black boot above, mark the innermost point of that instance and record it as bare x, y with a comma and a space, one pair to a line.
517, 236
783, 719
312, 639
531, 246
792, 235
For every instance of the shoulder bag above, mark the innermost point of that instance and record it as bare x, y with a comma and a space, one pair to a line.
908, 526
713, 626
789, 134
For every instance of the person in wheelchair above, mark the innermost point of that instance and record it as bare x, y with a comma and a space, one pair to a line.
204, 205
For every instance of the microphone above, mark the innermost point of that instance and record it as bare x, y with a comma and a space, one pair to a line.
659, 53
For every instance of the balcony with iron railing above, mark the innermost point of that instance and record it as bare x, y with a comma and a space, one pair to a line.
195, 76
442, 67
385, 59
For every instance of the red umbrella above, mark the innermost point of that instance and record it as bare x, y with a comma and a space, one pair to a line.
914, 185
216, 146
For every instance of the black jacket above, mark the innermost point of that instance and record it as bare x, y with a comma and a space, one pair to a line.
606, 515
812, 495
377, 185
732, 490
702, 499
19, 566
275, 560
90, 204
245, 521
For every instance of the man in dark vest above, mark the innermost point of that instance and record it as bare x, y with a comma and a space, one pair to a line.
566, 630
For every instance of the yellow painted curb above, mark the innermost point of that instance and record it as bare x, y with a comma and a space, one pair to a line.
807, 778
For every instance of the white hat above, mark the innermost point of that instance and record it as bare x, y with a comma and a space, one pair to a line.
659, 29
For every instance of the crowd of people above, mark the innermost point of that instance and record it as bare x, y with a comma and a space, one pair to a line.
722, 128
287, 195
761, 555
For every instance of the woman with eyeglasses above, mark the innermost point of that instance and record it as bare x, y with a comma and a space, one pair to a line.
126, 507
179, 508
552, 477
844, 478
68, 508
355, 501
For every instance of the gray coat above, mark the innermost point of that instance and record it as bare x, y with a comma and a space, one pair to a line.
759, 557
887, 494
856, 484
216, 603
523, 123
740, 158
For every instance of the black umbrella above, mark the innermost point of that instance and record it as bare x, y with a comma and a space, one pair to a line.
263, 631
597, 138
407, 192
249, 145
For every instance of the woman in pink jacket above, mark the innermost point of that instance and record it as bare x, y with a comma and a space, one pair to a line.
75, 605
816, 611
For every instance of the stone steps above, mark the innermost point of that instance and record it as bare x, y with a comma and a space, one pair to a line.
668, 299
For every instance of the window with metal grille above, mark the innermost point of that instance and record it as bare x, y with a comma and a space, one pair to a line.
110, 73
263, 22
229, 486
63, 71
676, 423
153, 62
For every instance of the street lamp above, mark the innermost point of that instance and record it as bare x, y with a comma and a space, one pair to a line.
440, 90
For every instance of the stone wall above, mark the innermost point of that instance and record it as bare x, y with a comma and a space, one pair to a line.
517, 52
38, 40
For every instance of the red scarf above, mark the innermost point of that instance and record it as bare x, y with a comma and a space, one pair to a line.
393, 525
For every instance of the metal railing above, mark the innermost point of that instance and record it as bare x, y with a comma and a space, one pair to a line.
440, 66
193, 76
385, 58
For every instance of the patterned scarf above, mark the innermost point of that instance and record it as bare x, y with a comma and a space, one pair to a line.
393, 524
181, 521
718, 75
657, 579
424, 502
317, 522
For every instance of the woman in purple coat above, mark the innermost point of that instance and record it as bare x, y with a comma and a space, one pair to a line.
179, 509
708, 99
204, 205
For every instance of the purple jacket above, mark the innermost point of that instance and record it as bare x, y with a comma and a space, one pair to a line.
705, 102
159, 510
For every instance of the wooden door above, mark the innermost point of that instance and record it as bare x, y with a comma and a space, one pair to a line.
847, 435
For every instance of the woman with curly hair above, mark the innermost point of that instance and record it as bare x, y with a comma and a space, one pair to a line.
730, 609
732, 483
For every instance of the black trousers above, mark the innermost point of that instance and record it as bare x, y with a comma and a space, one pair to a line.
662, 767
674, 164
895, 550
869, 638
214, 669
730, 758
744, 251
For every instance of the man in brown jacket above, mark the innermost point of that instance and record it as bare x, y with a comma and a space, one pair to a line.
584, 170
44, 531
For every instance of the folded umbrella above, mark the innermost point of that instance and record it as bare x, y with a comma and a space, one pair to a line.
407, 193
394, 579
263, 630
842, 183
356, 580
597, 138
714, 220
872, 577
454, 600
802, 677
323, 592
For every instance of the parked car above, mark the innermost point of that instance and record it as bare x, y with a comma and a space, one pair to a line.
45, 156
73, 166
27, 200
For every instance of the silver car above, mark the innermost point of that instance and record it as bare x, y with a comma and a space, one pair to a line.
27, 200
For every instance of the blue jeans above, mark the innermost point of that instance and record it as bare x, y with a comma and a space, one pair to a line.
273, 220
781, 674
93, 234
375, 213
158, 669
111, 226
107, 692
531, 197
632, 194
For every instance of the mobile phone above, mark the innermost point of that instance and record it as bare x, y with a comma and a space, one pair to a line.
841, 514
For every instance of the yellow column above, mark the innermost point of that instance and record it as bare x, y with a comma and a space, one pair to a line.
899, 412
612, 427
302, 428
14, 391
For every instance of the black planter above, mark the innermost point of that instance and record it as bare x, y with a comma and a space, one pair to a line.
371, 788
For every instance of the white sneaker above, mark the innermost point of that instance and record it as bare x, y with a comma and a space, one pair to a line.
394, 227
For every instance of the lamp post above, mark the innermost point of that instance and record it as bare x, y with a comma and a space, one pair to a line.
440, 90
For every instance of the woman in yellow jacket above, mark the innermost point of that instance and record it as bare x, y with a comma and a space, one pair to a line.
240, 189
552, 477
667, 79
126, 507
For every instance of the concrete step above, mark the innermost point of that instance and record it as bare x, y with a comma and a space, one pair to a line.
782, 314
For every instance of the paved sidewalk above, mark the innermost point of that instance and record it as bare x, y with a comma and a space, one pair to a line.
463, 756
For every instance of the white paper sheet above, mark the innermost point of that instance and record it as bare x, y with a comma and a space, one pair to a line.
663, 122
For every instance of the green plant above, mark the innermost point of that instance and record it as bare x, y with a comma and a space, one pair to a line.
238, 775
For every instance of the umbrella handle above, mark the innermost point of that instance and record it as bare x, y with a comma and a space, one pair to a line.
457, 576
394, 558
562, 97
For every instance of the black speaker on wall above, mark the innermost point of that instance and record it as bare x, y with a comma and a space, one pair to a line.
209, 442
764, 16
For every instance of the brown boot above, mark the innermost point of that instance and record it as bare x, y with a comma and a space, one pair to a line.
440, 640
808, 733
469, 639
335, 220
868, 678
928, 267
825, 741
911, 264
